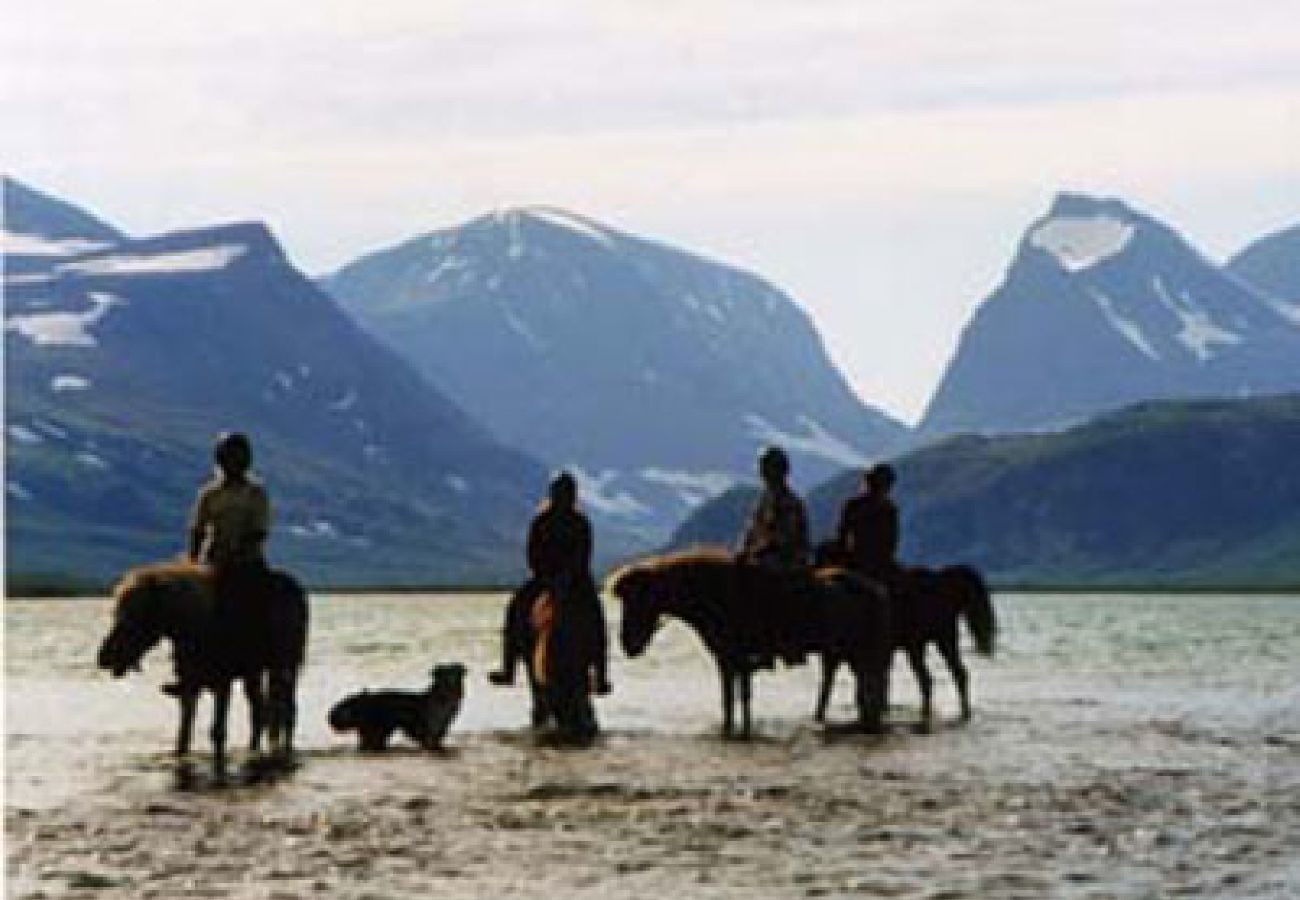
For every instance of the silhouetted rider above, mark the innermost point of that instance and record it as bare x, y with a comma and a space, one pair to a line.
776, 541
559, 557
777, 536
868, 529
229, 526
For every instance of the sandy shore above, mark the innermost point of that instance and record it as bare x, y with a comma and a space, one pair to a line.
943, 815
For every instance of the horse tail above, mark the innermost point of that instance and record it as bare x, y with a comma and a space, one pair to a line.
976, 606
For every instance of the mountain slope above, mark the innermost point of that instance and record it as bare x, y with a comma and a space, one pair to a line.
122, 364
655, 373
1271, 265
1173, 493
1105, 306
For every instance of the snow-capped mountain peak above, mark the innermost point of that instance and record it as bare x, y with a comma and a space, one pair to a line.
1104, 306
619, 357
1080, 242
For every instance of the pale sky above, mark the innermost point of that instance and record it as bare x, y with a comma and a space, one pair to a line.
878, 160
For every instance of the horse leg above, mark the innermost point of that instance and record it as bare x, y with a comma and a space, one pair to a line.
830, 663
220, 711
255, 694
951, 654
728, 700
870, 696
916, 658
189, 701
746, 690
282, 711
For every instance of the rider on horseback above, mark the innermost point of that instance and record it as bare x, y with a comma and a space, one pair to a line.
228, 527
559, 557
868, 529
776, 541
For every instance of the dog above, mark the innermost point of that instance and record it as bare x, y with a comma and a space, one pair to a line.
423, 716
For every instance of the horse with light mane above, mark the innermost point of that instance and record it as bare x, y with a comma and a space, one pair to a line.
176, 601
728, 604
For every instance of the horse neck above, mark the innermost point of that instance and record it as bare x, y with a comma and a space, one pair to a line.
183, 609
698, 598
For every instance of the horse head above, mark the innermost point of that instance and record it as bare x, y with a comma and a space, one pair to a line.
641, 592
142, 615
136, 625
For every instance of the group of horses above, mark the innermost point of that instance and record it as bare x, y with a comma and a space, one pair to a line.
841, 616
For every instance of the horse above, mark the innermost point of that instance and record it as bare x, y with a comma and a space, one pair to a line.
559, 650
177, 601
730, 605
925, 605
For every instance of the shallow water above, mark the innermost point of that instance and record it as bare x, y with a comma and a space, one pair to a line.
1122, 746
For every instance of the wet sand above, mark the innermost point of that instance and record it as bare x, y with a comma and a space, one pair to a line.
1176, 777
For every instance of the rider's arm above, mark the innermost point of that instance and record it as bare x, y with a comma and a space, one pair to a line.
198, 526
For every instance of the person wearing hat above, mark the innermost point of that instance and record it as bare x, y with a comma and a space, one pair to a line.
559, 559
868, 528
776, 542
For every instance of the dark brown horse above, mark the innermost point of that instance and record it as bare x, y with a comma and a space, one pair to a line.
176, 601
925, 605
559, 655
730, 604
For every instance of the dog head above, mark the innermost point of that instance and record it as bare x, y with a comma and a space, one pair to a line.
348, 713
449, 678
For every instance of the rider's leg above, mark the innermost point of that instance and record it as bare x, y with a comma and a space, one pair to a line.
514, 633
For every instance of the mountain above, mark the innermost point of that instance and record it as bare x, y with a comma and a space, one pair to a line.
1271, 265
123, 361
655, 374
1174, 493
1101, 307
36, 229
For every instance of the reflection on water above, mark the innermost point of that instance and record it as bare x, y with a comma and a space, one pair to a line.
1226, 661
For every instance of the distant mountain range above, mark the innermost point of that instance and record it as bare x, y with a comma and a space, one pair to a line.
654, 374
125, 357
1104, 306
384, 422
1176, 493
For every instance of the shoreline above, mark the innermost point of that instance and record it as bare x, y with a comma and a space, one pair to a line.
78, 590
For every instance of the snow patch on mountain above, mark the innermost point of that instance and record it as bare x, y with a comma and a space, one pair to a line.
1197, 331
23, 435
693, 488
346, 402
451, 263
597, 492
61, 383
92, 460
17, 491
1131, 331
63, 329
1289, 311
202, 259
519, 327
570, 221
16, 244
1080, 242
816, 442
